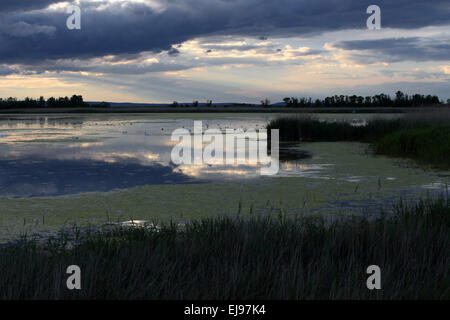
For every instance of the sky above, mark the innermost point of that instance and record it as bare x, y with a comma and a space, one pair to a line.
159, 51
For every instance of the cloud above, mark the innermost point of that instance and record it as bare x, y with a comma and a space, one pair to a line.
23, 5
231, 47
173, 52
220, 49
22, 29
6, 70
397, 49
129, 27
107, 65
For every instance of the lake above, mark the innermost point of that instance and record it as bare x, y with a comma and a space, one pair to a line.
63, 170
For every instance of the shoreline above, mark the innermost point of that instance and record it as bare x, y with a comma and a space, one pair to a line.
231, 109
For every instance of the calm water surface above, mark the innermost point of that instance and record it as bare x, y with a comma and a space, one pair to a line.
63, 154
92, 168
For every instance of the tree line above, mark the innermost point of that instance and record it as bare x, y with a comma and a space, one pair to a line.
75, 101
194, 104
380, 100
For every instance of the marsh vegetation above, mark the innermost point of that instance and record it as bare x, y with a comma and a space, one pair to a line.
424, 137
246, 257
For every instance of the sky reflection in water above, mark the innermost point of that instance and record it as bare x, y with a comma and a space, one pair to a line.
56, 155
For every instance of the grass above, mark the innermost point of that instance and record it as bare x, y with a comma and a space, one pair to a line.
423, 137
250, 257
431, 145
311, 129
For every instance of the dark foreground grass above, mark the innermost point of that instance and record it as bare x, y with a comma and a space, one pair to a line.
245, 258
426, 139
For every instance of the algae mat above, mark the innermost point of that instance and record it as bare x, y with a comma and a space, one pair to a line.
340, 178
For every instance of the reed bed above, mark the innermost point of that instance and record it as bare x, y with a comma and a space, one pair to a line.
245, 257
423, 137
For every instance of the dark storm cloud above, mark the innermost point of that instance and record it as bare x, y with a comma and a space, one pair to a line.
130, 28
398, 49
21, 5
69, 65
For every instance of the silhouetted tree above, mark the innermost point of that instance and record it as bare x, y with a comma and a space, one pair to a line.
265, 102
51, 102
41, 101
76, 101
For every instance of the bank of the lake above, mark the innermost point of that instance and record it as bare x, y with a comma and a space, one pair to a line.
220, 109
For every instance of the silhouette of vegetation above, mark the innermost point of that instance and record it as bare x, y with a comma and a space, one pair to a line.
252, 256
265, 102
430, 144
310, 129
421, 136
62, 102
380, 100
